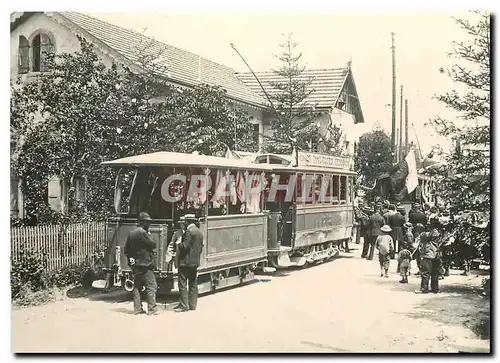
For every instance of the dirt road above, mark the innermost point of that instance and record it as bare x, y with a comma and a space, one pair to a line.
339, 306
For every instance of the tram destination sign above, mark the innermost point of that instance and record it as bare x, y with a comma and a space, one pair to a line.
323, 161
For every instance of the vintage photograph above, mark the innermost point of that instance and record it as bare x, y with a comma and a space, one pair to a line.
280, 182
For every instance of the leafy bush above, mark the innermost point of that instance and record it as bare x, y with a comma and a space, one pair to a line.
27, 297
27, 270
31, 283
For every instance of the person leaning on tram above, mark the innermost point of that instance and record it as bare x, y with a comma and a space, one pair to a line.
172, 256
190, 247
139, 251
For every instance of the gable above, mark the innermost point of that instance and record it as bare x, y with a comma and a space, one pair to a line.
348, 99
328, 85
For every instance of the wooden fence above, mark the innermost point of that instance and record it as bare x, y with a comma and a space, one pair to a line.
60, 245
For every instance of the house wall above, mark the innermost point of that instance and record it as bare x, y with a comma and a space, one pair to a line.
349, 130
63, 39
338, 117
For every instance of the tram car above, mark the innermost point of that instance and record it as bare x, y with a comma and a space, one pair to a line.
311, 226
242, 234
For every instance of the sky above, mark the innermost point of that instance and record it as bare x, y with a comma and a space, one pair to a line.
328, 40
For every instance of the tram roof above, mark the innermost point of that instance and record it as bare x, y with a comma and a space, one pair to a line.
165, 158
310, 169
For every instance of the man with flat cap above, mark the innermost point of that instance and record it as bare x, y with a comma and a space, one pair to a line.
189, 247
139, 251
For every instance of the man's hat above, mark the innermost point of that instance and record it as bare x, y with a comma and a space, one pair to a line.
407, 225
434, 221
143, 216
385, 228
190, 217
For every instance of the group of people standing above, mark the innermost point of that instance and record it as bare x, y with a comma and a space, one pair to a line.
419, 236
186, 244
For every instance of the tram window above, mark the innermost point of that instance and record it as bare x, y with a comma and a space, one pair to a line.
217, 206
350, 189
309, 192
123, 190
343, 189
335, 187
298, 188
317, 189
327, 180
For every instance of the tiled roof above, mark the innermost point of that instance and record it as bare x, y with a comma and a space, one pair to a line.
182, 66
326, 83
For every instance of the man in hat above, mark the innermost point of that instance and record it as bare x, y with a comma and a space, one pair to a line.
385, 248
190, 247
139, 251
429, 247
417, 216
396, 222
375, 222
390, 212
172, 250
363, 230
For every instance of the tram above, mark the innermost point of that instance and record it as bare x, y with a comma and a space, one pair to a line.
310, 227
241, 235
235, 244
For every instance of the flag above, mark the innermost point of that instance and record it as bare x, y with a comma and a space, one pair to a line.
295, 160
231, 155
412, 177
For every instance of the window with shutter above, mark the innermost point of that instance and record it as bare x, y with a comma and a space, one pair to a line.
41, 46
24, 55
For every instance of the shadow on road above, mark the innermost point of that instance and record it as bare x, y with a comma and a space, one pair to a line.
296, 269
119, 295
456, 304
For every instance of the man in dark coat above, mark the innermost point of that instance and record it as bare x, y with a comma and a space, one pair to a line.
375, 222
417, 216
190, 248
139, 251
396, 222
390, 212
364, 224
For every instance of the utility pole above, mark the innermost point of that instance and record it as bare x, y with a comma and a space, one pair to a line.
393, 134
406, 126
398, 146
402, 145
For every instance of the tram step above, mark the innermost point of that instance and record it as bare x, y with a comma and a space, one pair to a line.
298, 261
99, 284
268, 269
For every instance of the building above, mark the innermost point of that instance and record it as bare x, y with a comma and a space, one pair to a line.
334, 98
33, 33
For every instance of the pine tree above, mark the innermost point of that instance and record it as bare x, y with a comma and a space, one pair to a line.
295, 126
464, 182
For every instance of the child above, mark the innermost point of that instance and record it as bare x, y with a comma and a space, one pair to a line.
385, 247
404, 260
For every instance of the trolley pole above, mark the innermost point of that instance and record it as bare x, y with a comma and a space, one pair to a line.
393, 133
402, 145
406, 127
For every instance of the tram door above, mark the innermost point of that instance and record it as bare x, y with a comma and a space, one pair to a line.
288, 213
